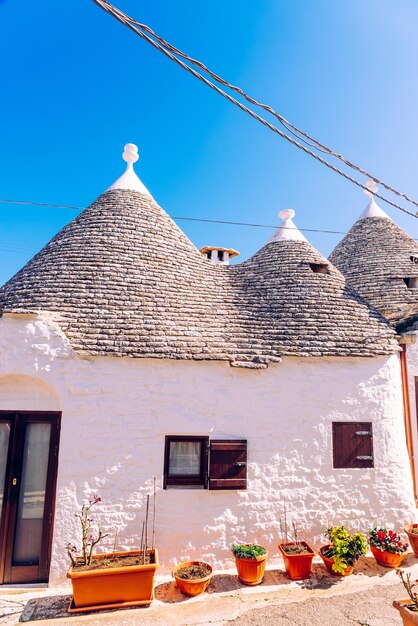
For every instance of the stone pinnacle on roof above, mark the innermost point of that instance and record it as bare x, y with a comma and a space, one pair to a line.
129, 180
378, 259
372, 209
287, 230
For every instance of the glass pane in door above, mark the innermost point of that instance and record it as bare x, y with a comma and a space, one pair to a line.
4, 446
29, 521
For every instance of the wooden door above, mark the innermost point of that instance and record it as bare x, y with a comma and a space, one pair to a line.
28, 470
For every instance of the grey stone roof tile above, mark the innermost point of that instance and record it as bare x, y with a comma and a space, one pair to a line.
123, 280
375, 257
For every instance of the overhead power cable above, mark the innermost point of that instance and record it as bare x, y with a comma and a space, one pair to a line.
46, 204
12, 247
170, 51
300, 134
178, 217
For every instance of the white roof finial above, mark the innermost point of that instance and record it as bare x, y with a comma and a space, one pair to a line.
372, 209
130, 153
287, 230
129, 180
287, 214
372, 188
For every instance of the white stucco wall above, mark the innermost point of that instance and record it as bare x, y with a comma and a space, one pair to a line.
412, 365
116, 413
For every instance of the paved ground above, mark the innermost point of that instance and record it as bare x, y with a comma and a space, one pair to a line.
372, 607
363, 599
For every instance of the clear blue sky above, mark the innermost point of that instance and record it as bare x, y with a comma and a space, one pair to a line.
76, 85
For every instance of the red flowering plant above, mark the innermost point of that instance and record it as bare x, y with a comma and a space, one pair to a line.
387, 541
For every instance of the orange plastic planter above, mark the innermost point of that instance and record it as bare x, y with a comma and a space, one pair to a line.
330, 562
251, 571
298, 566
413, 538
113, 587
192, 587
409, 618
387, 559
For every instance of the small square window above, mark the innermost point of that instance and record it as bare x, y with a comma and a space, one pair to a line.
185, 461
319, 268
411, 282
352, 444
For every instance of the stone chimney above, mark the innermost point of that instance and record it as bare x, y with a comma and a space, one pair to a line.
219, 256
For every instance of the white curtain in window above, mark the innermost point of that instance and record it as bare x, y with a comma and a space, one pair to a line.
184, 458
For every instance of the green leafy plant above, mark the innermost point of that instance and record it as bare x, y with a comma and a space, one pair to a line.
387, 541
406, 581
345, 548
88, 541
248, 550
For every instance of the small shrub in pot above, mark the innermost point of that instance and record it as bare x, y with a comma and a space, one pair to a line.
408, 608
344, 550
250, 559
112, 579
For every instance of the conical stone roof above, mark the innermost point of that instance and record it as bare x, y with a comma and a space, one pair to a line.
123, 280
378, 258
305, 313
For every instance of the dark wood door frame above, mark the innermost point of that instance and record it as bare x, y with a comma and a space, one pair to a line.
19, 421
4, 518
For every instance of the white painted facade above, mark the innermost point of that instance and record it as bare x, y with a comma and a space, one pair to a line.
117, 411
412, 365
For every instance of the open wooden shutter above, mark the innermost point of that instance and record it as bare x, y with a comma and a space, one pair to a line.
228, 464
352, 444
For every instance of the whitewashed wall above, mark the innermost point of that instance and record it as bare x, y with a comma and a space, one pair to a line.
412, 364
116, 413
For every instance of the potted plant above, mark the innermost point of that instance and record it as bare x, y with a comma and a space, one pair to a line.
116, 579
344, 550
412, 531
250, 559
192, 577
387, 547
297, 555
408, 608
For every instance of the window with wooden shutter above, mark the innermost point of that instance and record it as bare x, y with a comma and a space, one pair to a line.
228, 464
352, 444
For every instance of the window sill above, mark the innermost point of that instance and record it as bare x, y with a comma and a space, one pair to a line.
167, 487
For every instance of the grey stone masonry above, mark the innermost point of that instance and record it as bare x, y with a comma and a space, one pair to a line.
123, 280
378, 259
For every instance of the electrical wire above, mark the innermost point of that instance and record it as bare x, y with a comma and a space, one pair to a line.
13, 250
46, 204
180, 217
305, 230
300, 134
170, 51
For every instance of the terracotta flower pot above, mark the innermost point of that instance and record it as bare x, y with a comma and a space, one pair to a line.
387, 559
330, 562
298, 566
251, 571
413, 538
192, 587
131, 585
409, 618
